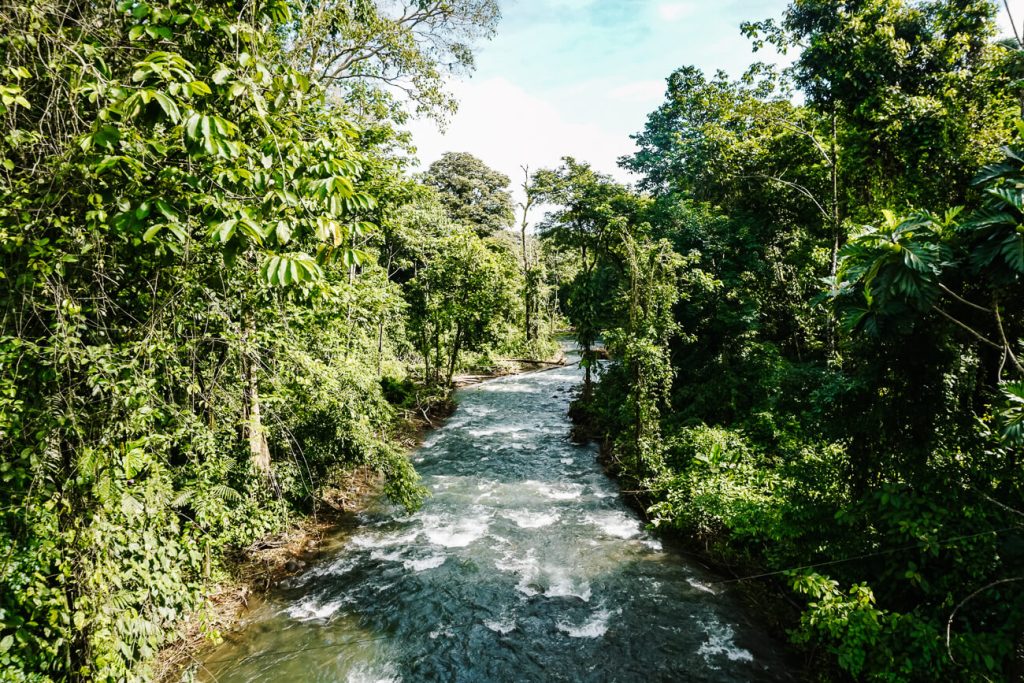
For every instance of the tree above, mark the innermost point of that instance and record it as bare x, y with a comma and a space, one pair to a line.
174, 199
372, 48
460, 300
901, 76
531, 272
473, 194
590, 210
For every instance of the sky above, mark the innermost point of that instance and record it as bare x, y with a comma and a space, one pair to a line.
578, 77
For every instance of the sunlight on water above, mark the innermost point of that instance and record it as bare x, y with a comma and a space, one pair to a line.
523, 564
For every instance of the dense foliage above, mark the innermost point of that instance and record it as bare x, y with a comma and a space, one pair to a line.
220, 290
815, 321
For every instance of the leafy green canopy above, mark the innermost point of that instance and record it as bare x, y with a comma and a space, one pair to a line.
372, 50
823, 395
474, 194
164, 173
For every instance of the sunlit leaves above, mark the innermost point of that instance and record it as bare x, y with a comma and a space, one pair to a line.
212, 134
1012, 415
895, 267
287, 269
995, 233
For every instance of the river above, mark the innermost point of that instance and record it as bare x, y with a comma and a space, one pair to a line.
523, 565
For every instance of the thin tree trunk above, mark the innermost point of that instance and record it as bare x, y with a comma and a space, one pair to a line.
348, 312
837, 229
837, 223
527, 293
380, 344
252, 421
456, 347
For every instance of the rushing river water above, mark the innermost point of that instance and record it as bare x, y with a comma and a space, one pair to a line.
523, 565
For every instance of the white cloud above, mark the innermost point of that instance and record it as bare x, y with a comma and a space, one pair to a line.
639, 91
506, 127
675, 11
1004, 24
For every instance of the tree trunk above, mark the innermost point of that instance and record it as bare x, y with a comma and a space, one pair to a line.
837, 222
837, 230
527, 293
380, 344
252, 421
456, 346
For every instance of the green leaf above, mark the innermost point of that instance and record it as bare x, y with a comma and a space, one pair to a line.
159, 32
168, 105
225, 230
283, 232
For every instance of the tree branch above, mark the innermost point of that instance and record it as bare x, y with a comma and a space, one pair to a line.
974, 333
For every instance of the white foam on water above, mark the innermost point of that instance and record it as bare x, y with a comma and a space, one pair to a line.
525, 566
562, 586
393, 556
566, 491
477, 409
446, 632
372, 539
440, 482
653, 544
531, 520
496, 429
363, 673
595, 627
453, 534
508, 388
720, 643
567, 461
432, 439
503, 626
426, 563
501, 540
311, 609
701, 586
615, 523
340, 566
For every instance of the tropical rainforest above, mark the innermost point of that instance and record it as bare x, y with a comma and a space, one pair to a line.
224, 286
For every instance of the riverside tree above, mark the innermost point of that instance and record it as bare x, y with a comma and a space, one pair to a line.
195, 287
844, 407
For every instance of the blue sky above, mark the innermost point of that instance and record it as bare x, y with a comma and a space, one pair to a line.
579, 76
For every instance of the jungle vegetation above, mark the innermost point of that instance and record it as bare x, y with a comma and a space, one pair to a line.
223, 287
812, 301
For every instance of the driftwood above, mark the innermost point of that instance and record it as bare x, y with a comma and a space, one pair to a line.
532, 360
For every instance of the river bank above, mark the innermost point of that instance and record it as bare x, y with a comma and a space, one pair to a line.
257, 570
765, 595
524, 562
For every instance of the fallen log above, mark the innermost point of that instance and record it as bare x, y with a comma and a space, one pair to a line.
531, 360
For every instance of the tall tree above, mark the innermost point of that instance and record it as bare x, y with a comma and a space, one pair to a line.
901, 76
373, 48
474, 194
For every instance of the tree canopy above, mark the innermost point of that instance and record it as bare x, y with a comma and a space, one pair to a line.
472, 193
